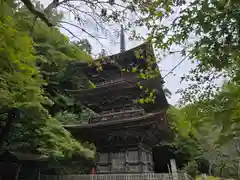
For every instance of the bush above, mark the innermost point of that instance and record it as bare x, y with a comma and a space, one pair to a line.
191, 168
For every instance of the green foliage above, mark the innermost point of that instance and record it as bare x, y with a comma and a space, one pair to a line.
67, 117
20, 79
210, 116
184, 125
191, 168
37, 91
59, 143
215, 24
212, 128
208, 129
53, 39
84, 45
208, 177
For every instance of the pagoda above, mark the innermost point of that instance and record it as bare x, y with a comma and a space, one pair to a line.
123, 130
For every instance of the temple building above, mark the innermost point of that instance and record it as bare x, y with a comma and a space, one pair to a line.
124, 130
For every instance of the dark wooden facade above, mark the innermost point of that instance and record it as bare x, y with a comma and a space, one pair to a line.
123, 131
130, 159
20, 166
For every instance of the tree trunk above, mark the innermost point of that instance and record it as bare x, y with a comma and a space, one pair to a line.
210, 169
7, 128
221, 170
238, 170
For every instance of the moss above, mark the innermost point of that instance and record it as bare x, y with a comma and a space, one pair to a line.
208, 178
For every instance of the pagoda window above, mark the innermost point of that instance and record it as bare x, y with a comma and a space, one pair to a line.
118, 161
103, 157
149, 157
144, 156
118, 165
103, 169
132, 156
133, 168
145, 168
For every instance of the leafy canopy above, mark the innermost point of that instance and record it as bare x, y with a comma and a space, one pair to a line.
25, 86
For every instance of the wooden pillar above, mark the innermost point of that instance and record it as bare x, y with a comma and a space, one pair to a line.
174, 169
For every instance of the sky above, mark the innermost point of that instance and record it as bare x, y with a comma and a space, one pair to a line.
110, 42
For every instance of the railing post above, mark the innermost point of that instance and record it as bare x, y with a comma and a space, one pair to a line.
204, 177
185, 176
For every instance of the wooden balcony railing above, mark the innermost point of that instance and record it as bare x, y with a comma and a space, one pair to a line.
117, 115
110, 82
143, 176
117, 81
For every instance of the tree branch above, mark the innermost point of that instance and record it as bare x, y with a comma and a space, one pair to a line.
71, 33
37, 13
82, 30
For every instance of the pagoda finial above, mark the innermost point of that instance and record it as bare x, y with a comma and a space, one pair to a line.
122, 40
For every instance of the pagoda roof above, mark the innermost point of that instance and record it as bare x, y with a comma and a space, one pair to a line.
122, 123
111, 81
123, 83
119, 60
95, 98
155, 121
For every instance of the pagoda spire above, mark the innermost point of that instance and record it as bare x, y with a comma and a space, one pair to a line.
122, 40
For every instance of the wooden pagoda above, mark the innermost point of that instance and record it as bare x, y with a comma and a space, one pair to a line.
123, 130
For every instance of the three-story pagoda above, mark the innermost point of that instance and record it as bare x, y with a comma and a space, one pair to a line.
123, 131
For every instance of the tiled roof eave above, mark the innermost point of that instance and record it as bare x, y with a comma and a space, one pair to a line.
116, 122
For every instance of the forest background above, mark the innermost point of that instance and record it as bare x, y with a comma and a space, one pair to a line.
35, 54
